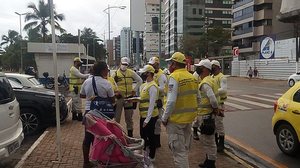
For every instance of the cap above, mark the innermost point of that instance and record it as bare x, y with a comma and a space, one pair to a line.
153, 60
147, 68
125, 60
177, 57
215, 62
77, 59
206, 63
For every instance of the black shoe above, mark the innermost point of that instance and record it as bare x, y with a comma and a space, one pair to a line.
74, 116
157, 141
221, 147
79, 118
208, 164
203, 164
130, 133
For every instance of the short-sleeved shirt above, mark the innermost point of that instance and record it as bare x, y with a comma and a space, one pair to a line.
104, 89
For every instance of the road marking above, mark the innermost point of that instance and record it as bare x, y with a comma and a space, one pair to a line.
25, 156
250, 102
240, 107
267, 88
259, 98
271, 96
255, 152
279, 94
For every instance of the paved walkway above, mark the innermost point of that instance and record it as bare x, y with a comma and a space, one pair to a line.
45, 154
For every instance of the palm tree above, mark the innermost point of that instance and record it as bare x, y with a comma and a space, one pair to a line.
10, 38
40, 18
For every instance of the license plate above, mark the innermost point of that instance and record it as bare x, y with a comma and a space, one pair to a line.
12, 147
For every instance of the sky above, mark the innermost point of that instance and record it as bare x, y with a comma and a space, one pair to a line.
78, 14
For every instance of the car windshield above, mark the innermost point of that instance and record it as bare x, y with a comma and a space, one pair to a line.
34, 81
15, 85
6, 92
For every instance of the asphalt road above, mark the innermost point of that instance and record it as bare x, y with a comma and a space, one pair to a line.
251, 125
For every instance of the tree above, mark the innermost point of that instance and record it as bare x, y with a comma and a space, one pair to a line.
217, 38
11, 38
40, 18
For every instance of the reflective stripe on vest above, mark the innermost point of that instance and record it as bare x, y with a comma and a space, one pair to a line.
185, 109
156, 77
218, 79
205, 106
74, 80
145, 100
125, 82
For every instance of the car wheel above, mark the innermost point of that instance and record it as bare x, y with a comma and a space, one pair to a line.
31, 121
63, 116
291, 82
287, 139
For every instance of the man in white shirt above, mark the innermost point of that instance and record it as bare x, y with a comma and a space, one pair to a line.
104, 89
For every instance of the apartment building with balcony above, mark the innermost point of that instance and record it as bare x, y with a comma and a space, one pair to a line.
253, 20
116, 51
182, 18
151, 33
125, 42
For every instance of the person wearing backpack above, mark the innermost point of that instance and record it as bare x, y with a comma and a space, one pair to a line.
95, 87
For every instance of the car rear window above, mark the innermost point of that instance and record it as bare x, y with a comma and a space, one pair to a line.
6, 91
34, 81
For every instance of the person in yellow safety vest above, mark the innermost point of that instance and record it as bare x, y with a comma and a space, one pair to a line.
208, 108
196, 122
221, 81
181, 109
124, 78
161, 80
149, 93
75, 81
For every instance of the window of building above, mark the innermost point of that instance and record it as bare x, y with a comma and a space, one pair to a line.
226, 12
200, 11
227, 2
209, 1
194, 11
226, 21
209, 11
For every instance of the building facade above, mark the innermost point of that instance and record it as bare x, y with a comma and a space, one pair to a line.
151, 32
116, 50
125, 42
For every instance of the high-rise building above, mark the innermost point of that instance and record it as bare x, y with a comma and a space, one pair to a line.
184, 17
125, 42
254, 19
151, 32
116, 51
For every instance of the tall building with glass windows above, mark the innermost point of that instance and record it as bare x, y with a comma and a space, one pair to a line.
125, 41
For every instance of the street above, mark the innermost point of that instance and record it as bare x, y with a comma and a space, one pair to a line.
248, 119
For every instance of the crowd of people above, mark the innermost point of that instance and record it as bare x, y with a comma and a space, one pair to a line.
184, 103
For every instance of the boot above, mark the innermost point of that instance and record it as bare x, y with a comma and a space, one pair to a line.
157, 141
130, 133
86, 160
195, 133
79, 118
208, 164
220, 147
217, 138
204, 163
74, 116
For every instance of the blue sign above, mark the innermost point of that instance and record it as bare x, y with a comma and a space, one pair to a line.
267, 48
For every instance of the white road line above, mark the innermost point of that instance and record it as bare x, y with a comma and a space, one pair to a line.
279, 94
266, 95
240, 107
259, 98
250, 102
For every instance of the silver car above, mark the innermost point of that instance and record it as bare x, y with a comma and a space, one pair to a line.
293, 79
24, 80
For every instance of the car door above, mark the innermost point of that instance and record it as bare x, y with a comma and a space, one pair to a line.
293, 110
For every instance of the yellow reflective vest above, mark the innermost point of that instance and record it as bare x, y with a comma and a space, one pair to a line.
205, 106
156, 77
145, 99
74, 80
185, 109
113, 83
124, 82
218, 78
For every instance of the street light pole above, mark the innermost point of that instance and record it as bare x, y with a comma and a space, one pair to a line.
108, 16
21, 54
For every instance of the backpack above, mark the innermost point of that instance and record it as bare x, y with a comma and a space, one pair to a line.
104, 105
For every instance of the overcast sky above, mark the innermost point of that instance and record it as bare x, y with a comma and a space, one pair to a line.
78, 14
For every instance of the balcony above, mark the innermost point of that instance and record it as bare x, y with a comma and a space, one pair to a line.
241, 3
253, 47
263, 14
258, 2
262, 30
249, 15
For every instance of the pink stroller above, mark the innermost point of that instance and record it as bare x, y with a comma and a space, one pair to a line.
111, 146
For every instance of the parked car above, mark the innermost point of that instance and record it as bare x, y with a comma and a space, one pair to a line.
286, 121
293, 79
11, 130
24, 80
37, 106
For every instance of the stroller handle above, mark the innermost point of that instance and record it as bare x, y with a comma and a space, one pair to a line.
140, 143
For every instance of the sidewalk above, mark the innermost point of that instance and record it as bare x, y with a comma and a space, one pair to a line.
45, 154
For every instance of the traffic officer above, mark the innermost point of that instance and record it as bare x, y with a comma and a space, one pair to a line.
222, 92
196, 122
124, 78
208, 107
149, 93
75, 81
161, 80
181, 109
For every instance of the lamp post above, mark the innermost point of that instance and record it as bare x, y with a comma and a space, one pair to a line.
107, 11
21, 54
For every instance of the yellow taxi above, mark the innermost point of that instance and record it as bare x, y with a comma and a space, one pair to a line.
286, 121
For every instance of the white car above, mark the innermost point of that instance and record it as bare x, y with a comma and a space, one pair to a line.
293, 79
24, 80
11, 130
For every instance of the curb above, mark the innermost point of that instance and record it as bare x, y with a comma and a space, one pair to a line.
30, 150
